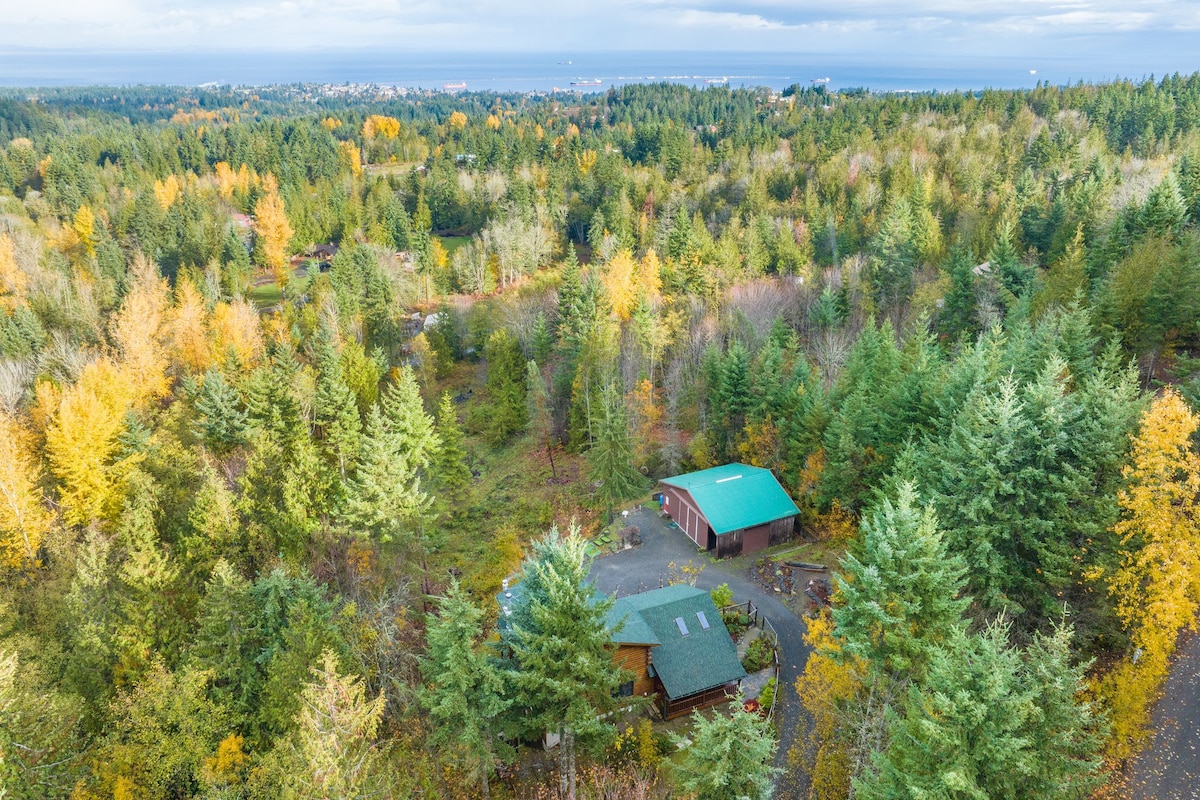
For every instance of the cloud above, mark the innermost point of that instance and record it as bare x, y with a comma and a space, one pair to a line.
844, 27
728, 20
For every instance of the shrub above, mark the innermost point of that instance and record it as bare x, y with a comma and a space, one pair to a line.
759, 654
766, 698
722, 596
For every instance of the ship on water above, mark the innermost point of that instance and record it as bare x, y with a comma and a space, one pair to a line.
582, 82
454, 86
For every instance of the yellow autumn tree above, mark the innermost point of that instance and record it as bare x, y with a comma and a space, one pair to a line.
351, 157
380, 126
230, 181
82, 445
829, 682
137, 331
331, 124
23, 518
620, 283
1157, 585
272, 232
12, 279
83, 227
166, 192
493, 122
585, 160
234, 329
649, 276
458, 120
187, 329
646, 414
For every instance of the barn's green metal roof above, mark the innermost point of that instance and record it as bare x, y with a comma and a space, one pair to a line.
686, 664
736, 496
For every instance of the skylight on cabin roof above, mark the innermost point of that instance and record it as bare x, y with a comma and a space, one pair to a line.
682, 625
703, 619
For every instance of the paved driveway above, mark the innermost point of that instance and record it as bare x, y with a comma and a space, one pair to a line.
1169, 767
645, 567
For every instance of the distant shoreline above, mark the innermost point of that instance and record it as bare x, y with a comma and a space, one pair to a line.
538, 72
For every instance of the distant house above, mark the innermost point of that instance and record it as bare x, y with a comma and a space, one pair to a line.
732, 509
322, 252
672, 640
677, 647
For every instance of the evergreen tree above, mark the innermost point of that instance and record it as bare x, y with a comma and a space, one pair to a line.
450, 472
220, 421
901, 594
235, 265
385, 495
1015, 277
731, 398
1067, 279
611, 454
958, 315
338, 428
729, 756
283, 487
463, 691
1164, 211
335, 751
505, 387
893, 258
561, 648
986, 723
147, 577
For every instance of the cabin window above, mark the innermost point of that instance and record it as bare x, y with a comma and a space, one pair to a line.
626, 689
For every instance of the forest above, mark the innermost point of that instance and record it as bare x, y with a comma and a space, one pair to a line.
291, 381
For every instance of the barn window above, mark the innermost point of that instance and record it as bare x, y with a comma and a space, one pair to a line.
703, 619
682, 625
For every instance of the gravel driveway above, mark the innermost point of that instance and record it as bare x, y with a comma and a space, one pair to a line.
645, 567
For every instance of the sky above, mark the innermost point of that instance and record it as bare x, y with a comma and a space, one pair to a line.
1127, 31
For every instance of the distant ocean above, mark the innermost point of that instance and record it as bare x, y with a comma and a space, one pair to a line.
533, 71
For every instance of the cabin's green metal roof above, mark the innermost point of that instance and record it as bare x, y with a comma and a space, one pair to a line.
736, 496
686, 664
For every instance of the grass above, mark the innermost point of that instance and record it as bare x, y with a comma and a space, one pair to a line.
390, 168
809, 552
264, 292
511, 502
452, 243
266, 295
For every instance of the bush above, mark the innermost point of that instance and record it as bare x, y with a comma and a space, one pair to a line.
766, 698
722, 596
736, 622
759, 655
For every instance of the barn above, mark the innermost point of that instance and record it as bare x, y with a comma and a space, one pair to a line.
731, 509
677, 648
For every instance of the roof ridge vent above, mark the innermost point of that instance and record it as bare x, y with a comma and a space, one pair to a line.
730, 478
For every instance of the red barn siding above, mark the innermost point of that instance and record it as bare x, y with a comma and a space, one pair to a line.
682, 509
756, 538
